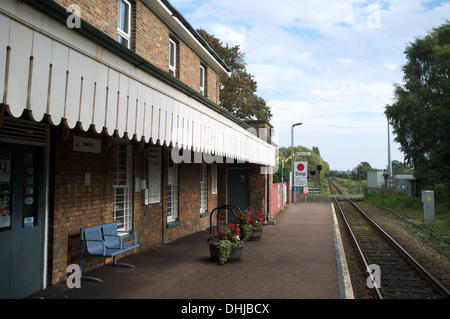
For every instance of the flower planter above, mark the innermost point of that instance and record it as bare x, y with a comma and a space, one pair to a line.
235, 254
256, 233
245, 232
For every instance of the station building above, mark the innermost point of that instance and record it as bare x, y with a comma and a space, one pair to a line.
109, 112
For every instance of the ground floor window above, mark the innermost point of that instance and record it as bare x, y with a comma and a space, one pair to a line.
172, 192
203, 188
123, 205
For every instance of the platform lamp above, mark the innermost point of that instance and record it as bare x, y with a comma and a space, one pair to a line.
292, 157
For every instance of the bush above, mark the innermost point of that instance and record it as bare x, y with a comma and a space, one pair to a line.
391, 198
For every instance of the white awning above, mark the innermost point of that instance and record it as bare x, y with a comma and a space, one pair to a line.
50, 69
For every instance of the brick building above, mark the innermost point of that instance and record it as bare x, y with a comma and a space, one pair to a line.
101, 102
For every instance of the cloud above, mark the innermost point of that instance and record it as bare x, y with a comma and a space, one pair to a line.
329, 64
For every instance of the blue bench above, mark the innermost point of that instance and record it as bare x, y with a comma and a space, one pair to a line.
104, 241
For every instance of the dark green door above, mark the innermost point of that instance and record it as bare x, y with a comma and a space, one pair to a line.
238, 187
21, 219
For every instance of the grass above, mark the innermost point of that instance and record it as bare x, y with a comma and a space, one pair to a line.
351, 185
412, 208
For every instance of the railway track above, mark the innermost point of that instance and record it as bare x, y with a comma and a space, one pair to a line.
393, 271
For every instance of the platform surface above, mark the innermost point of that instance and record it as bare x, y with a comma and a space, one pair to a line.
295, 259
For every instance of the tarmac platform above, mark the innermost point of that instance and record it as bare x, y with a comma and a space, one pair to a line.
300, 257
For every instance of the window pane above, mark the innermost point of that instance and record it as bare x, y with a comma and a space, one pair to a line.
172, 194
203, 188
172, 54
122, 40
202, 77
123, 19
122, 208
202, 80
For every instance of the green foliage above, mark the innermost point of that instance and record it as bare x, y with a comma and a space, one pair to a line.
247, 231
363, 167
420, 116
238, 91
391, 198
224, 237
312, 160
224, 250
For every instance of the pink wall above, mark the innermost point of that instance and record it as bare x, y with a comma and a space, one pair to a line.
276, 198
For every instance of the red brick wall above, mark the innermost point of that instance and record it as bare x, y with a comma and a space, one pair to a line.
188, 200
274, 209
73, 205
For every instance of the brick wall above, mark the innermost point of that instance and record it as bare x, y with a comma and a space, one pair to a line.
274, 208
258, 189
188, 200
74, 205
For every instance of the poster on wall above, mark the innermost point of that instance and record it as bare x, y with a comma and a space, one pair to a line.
5, 189
154, 174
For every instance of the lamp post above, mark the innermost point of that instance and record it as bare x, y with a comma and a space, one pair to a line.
292, 157
389, 168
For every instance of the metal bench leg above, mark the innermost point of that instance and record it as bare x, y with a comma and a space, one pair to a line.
87, 277
91, 279
81, 267
116, 264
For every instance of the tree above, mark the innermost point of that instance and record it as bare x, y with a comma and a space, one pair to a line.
420, 116
238, 91
313, 160
315, 149
400, 168
363, 167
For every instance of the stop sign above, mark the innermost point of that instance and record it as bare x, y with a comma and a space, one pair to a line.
300, 174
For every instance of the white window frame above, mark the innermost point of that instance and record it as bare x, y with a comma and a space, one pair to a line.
213, 179
122, 186
203, 188
172, 193
172, 56
202, 80
120, 32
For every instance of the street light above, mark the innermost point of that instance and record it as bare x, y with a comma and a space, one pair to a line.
292, 157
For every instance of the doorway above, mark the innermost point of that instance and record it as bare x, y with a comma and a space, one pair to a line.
238, 187
22, 205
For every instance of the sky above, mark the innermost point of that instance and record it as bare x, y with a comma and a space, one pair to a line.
329, 64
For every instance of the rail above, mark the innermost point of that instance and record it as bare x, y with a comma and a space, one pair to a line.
403, 276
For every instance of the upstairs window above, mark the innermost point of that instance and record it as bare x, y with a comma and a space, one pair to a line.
172, 57
202, 80
124, 23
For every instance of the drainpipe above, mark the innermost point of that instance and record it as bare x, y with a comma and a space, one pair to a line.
268, 197
162, 193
